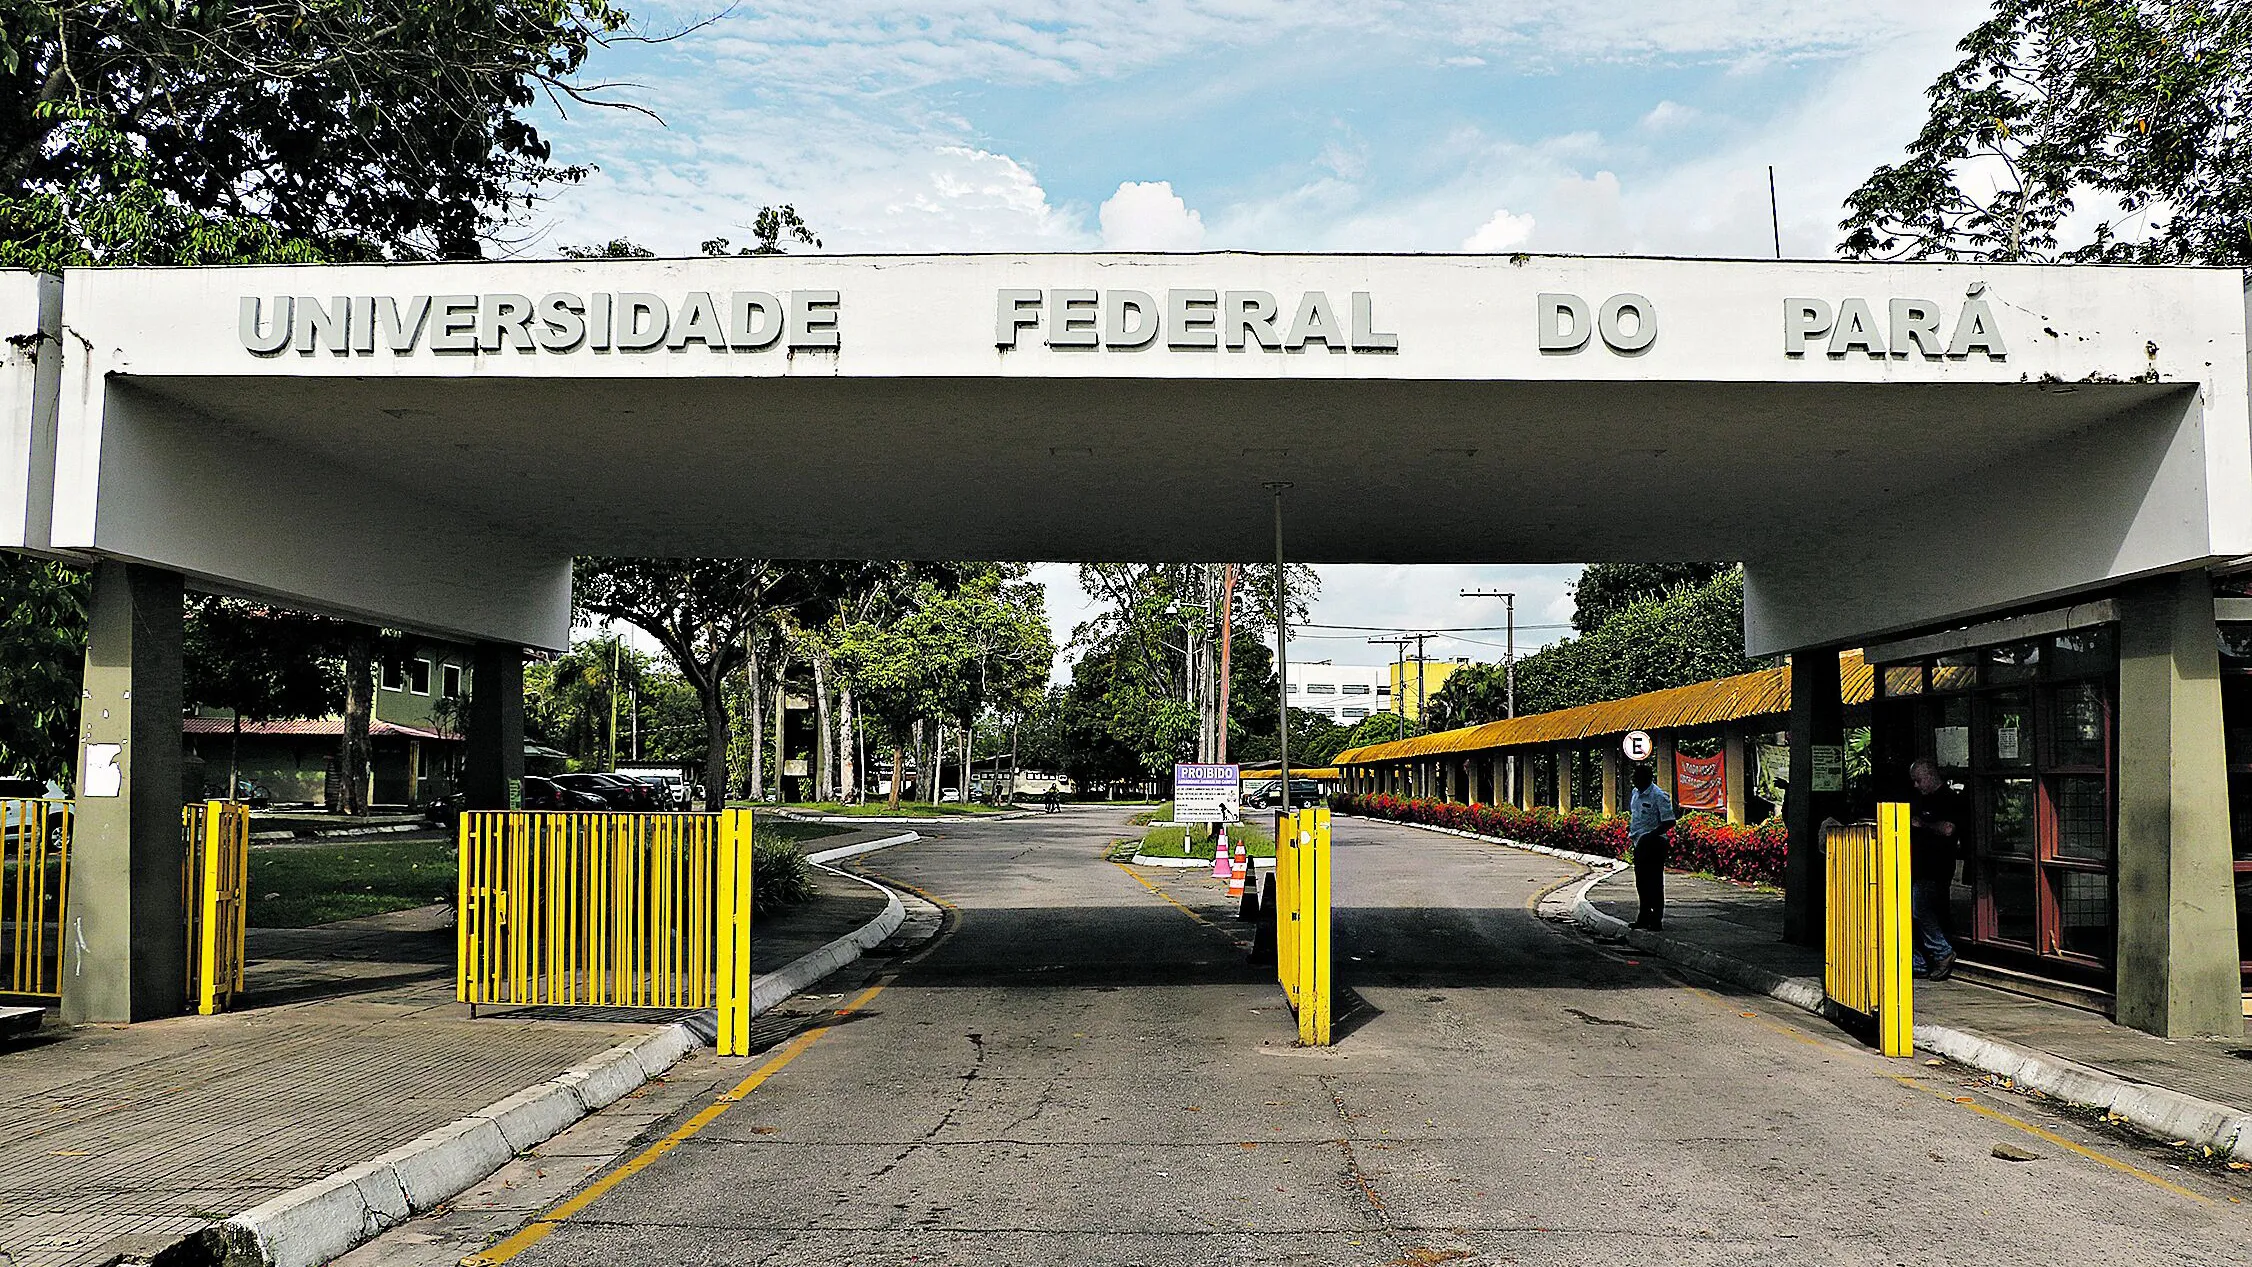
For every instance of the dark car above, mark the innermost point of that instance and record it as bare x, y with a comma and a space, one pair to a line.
542, 793
1302, 792
616, 791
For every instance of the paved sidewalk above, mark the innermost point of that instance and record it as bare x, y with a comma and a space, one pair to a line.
1747, 925
348, 1043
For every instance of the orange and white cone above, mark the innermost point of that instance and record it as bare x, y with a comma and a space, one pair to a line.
1237, 866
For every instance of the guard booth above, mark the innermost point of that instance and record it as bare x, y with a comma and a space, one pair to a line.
608, 910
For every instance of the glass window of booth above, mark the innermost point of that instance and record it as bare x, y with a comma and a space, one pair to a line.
2027, 729
2236, 730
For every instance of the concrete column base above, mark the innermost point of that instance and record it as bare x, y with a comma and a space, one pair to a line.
2177, 972
125, 944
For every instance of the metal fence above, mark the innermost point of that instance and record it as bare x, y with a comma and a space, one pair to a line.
215, 890
34, 897
1866, 962
608, 910
1302, 950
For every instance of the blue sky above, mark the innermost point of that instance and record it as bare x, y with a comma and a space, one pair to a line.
1629, 126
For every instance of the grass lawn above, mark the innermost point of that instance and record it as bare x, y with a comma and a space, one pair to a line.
1166, 842
303, 885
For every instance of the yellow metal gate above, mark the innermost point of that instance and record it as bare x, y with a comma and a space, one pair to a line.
1867, 961
609, 910
34, 896
216, 884
1302, 957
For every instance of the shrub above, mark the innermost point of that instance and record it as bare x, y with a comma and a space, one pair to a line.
779, 875
1701, 842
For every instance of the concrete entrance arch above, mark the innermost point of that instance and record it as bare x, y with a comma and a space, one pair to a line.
1892, 449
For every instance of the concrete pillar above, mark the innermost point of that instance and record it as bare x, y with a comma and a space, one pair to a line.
1613, 778
1817, 717
127, 943
1664, 772
1523, 773
1501, 780
493, 769
2177, 938
1563, 778
1735, 777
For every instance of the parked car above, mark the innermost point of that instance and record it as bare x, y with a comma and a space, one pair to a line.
13, 810
540, 793
674, 786
1264, 795
616, 791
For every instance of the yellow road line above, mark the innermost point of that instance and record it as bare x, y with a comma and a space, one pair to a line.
1915, 1084
1169, 899
538, 1230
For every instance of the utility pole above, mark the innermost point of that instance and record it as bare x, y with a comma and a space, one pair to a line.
1282, 648
1509, 657
1422, 686
1509, 671
1227, 640
615, 646
1399, 678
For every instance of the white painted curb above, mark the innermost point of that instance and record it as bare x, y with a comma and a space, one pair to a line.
1568, 855
2167, 1114
800, 973
1200, 864
310, 1225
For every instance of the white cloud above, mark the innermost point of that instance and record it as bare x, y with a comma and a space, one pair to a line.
1505, 232
1149, 216
1463, 60
1668, 114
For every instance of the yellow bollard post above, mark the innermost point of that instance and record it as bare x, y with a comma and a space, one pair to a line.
207, 927
1896, 981
1314, 958
734, 1001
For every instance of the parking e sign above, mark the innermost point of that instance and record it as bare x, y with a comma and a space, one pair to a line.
1637, 746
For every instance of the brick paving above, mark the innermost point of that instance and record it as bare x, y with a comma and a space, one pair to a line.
1747, 924
121, 1139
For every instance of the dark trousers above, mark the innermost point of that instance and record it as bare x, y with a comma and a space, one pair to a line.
1650, 876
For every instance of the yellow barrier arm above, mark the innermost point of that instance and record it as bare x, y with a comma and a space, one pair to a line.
734, 1004
207, 927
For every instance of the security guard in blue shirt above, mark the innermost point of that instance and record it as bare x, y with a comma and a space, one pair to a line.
1649, 813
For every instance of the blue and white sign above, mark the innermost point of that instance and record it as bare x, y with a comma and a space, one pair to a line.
1207, 793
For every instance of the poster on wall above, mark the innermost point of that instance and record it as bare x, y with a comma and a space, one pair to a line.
1700, 782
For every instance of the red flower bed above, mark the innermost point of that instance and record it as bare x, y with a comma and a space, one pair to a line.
1701, 842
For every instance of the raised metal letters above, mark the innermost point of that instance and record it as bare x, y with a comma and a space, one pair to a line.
1913, 329
1191, 320
500, 323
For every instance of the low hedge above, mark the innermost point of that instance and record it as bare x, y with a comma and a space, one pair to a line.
1701, 842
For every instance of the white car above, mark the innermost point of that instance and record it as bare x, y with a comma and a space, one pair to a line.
16, 797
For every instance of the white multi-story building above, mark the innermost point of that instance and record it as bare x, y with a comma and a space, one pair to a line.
1345, 693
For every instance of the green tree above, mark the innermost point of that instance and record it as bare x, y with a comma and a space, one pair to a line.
259, 663
1689, 635
1471, 696
42, 649
901, 670
372, 127
2077, 131
1605, 589
1001, 650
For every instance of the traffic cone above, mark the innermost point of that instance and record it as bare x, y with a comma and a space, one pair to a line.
1220, 854
1238, 864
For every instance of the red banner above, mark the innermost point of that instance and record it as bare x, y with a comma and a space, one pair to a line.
1700, 782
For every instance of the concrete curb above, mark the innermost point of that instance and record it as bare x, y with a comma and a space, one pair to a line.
2167, 1114
1584, 859
327, 833
310, 1225
801, 973
1200, 864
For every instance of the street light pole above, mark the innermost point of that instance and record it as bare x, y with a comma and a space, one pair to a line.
1282, 646
1509, 656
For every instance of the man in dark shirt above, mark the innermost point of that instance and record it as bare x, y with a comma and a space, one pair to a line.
1939, 823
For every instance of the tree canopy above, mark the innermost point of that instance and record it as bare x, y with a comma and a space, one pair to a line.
2076, 131
365, 128
1685, 636
1603, 590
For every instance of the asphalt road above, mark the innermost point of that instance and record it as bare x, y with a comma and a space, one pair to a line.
1080, 1071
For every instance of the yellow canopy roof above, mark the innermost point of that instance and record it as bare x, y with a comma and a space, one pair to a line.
1296, 772
1764, 693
